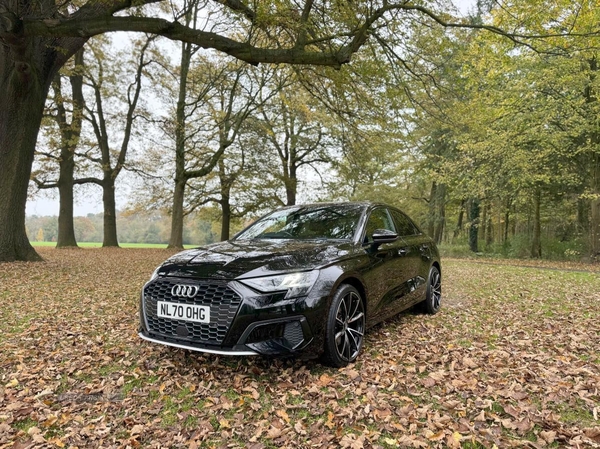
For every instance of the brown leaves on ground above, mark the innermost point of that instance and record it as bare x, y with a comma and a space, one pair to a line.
511, 361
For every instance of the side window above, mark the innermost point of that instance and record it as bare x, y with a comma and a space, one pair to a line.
404, 225
379, 219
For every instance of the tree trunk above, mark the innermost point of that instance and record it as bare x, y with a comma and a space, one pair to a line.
27, 65
536, 243
499, 229
225, 202
66, 228
176, 239
22, 99
432, 210
291, 185
484, 222
489, 228
110, 213
506, 225
16, 153
474, 225
595, 209
440, 213
583, 214
70, 133
591, 96
226, 218
459, 223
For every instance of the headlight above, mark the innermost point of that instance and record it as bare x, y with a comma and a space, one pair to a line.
296, 284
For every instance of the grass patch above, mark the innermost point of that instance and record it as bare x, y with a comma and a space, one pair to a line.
25, 424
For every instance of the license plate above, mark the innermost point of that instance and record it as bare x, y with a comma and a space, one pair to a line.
186, 312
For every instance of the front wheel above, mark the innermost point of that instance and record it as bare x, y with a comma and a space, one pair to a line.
433, 296
345, 330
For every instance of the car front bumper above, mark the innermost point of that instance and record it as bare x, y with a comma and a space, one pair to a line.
243, 322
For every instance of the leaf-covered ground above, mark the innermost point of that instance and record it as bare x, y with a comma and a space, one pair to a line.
513, 360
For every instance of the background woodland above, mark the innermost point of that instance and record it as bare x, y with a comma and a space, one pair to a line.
491, 143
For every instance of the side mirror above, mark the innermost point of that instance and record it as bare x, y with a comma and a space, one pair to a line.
381, 236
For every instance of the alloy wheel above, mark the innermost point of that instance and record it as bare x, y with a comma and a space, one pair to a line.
349, 326
435, 289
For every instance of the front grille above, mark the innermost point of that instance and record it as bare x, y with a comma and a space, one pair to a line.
223, 303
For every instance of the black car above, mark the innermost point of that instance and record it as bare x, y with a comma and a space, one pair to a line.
304, 279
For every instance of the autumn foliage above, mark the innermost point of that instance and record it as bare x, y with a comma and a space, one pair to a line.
511, 361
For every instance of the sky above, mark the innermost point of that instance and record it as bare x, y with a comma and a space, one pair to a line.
90, 200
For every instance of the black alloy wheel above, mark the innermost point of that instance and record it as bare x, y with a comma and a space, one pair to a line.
433, 300
345, 327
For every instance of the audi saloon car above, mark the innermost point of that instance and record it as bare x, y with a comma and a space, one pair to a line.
302, 280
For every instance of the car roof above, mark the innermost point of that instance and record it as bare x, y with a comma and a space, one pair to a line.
339, 203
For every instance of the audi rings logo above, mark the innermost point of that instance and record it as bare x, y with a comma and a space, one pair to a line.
184, 291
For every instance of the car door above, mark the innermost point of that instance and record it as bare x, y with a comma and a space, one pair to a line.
416, 259
387, 270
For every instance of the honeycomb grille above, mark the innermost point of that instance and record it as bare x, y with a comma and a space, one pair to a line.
293, 333
222, 300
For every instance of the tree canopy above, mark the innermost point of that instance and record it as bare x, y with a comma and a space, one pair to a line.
405, 56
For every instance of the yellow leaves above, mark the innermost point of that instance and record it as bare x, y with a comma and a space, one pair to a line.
453, 441
325, 380
51, 420
329, 423
435, 436
57, 442
283, 415
390, 441
12, 383
224, 424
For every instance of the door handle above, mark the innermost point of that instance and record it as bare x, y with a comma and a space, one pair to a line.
402, 252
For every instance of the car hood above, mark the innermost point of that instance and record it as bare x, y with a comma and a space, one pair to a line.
253, 258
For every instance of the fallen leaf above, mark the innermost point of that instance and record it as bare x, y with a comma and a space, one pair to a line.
283, 415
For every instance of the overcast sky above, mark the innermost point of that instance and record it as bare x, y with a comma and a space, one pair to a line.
91, 200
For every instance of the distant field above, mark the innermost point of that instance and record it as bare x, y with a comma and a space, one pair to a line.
123, 245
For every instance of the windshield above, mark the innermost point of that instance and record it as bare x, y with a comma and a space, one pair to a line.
337, 222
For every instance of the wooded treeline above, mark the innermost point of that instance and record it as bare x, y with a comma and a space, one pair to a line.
140, 227
487, 139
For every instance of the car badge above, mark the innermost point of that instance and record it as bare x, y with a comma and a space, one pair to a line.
184, 291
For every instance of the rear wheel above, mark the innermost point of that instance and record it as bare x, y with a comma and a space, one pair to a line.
344, 335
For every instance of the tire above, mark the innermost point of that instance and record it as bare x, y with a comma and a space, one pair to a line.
433, 297
344, 334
